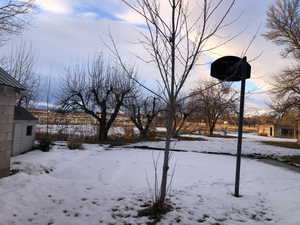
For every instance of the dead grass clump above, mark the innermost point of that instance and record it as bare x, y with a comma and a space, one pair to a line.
155, 211
75, 143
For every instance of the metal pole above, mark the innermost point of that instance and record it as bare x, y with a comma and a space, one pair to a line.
240, 137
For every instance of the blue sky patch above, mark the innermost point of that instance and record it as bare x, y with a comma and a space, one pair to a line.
101, 14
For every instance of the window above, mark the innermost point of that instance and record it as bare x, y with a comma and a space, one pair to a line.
29, 131
287, 132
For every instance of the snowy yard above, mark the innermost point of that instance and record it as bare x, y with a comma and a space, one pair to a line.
251, 145
107, 186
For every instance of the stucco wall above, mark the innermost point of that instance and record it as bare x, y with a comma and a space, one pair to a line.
276, 130
22, 142
7, 104
265, 130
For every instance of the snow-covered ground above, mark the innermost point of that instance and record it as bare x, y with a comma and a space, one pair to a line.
99, 185
254, 136
252, 144
84, 130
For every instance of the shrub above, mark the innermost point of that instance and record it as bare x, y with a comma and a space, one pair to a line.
75, 143
128, 131
44, 144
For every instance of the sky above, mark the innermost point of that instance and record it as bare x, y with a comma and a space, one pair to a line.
64, 32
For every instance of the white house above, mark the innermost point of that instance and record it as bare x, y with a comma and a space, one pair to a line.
9, 88
24, 131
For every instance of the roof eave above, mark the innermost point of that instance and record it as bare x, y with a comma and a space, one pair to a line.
19, 88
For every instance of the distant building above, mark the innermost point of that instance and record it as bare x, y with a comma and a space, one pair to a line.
283, 130
73, 118
9, 88
24, 131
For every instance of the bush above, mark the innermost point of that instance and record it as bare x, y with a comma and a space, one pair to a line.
128, 131
75, 143
44, 144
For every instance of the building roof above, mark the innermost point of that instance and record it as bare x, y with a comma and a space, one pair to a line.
23, 114
8, 80
280, 123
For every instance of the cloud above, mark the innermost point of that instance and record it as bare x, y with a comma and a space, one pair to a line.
131, 17
56, 6
264, 68
72, 7
69, 31
59, 41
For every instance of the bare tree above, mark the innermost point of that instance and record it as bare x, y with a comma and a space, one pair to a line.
184, 110
283, 21
286, 94
174, 43
142, 111
98, 89
214, 103
13, 17
286, 90
20, 63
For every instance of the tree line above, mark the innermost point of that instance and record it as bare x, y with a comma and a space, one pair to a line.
102, 89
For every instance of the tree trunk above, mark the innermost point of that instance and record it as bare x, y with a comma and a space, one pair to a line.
102, 133
211, 131
172, 109
298, 131
164, 179
143, 133
169, 135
